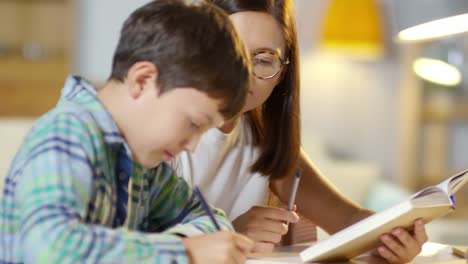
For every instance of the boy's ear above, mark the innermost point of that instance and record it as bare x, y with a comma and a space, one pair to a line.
140, 76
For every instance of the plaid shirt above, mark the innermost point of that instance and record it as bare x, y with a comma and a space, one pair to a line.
73, 194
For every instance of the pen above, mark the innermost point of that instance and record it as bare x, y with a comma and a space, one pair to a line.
295, 185
207, 209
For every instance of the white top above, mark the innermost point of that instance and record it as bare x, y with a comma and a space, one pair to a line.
220, 166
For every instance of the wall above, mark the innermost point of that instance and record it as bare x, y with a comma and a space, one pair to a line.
12, 132
351, 104
99, 23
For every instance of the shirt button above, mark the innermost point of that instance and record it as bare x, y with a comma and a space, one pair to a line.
122, 176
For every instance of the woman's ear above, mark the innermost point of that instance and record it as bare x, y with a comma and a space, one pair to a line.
142, 75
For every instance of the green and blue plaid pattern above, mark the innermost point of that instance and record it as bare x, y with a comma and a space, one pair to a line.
74, 195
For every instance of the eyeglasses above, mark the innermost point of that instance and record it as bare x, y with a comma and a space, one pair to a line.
267, 64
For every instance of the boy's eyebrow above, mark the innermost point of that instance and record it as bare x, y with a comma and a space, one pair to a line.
207, 117
210, 118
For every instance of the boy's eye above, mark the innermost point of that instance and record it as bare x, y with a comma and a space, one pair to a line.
194, 125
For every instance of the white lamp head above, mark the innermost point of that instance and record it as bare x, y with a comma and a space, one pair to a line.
422, 20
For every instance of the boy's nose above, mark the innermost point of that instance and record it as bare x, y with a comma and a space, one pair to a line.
191, 144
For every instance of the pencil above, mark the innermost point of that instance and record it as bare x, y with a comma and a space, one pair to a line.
205, 206
295, 186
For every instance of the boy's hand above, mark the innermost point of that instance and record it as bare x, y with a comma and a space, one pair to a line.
264, 225
400, 246
219, 247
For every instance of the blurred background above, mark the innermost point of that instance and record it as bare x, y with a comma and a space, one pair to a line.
383, 114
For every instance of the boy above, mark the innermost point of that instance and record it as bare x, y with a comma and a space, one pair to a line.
89, 183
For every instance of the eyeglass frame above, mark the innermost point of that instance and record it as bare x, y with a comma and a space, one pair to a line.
282, 61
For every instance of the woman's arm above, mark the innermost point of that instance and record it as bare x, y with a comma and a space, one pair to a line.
319, 200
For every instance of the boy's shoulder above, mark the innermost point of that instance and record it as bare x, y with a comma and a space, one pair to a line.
68, 124
61, 132
73, 116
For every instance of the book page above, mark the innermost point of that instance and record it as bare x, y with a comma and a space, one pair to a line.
447, 187
426, 191
452, 184
458, 181
433, 197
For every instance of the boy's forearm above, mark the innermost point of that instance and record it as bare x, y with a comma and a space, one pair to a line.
53, 229
197, 222
69, 241
200, 225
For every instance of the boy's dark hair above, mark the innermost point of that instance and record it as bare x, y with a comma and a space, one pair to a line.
276, 124
193, 45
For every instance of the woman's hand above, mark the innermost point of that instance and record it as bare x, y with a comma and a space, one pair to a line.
401, 246
265, 225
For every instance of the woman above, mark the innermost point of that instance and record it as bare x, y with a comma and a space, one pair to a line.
238, 163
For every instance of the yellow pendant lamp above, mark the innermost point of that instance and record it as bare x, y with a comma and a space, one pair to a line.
353, 27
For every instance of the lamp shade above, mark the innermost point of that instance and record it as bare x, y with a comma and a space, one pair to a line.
420, 20
354, 28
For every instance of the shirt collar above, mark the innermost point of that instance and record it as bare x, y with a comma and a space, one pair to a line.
79, 91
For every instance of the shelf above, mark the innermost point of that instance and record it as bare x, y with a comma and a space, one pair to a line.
30, 88
457, 112
34, 1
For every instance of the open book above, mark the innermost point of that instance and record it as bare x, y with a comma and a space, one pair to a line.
429, 203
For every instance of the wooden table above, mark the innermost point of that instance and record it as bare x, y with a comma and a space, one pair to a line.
432, 253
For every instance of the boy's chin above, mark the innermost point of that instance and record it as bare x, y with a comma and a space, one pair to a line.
167, 156
149, 162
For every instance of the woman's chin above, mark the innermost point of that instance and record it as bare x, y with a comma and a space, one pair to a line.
249, 107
